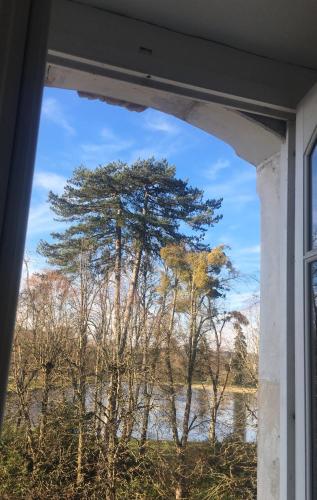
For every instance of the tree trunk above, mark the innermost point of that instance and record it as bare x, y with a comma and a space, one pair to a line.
170, 377
130, 300
117, 274
44, 405
81, 396
147, 396
181, 486
192, 352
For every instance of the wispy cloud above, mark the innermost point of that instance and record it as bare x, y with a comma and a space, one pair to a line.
167, 141
160, 123
49, 181
103, 151
252, 250
41, 221
53, 111
238, 190
159, 150
214, 170
240, 299
163, 147
108, 135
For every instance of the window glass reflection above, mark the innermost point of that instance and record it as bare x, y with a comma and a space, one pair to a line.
313, 198
313, 362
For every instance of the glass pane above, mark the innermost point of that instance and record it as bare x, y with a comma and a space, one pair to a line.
313, 361
313, 199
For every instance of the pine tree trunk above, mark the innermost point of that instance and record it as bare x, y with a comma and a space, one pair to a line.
117, 274
130, 300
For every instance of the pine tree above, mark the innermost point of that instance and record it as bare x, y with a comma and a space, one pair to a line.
240, 355
143, 205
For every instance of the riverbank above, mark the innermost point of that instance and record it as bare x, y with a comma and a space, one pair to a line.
232, 389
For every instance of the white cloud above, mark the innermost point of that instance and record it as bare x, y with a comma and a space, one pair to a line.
41, 221
225, 239
52, 111
148, 152
213, 171
240, 199
104, 151
163, 148
239, 300
107, 134
49, 181
111, 145
238, 190
160, 123
252, 250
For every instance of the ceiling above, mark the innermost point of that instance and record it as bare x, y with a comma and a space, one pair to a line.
278, 29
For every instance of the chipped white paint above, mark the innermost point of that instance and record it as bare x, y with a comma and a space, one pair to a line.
268, 186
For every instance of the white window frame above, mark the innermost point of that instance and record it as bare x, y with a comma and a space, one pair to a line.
309, 256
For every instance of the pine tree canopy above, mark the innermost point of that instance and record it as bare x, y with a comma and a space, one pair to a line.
144, 206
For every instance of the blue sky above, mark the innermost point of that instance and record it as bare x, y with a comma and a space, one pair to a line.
76, 131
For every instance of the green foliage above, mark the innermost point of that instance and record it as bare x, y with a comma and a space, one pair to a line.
197, 270
144, 203
225, 473
232, 472
14, 473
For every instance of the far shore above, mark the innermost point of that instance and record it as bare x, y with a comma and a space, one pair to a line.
232, 389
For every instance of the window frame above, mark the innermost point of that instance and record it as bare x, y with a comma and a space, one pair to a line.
23, 52
309, 256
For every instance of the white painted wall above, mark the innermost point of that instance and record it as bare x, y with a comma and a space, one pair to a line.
268, 186
275, 185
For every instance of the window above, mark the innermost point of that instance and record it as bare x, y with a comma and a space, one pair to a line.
313, 199
311, 270
313, 371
